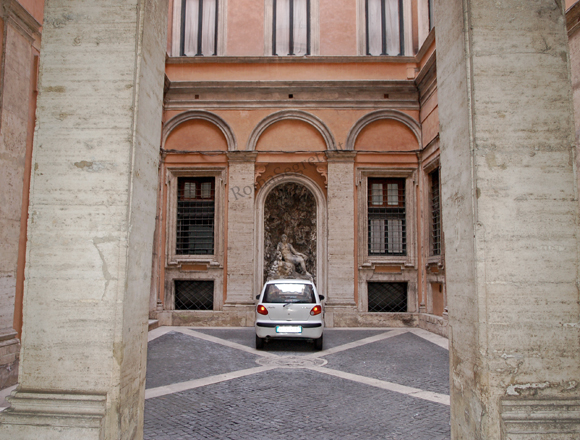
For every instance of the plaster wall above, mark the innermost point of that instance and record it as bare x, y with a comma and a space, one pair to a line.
91, 222
509, 216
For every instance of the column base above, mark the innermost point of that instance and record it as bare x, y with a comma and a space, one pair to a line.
53, 416
540, 419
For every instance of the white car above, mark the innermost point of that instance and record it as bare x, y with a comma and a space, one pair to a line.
289, 309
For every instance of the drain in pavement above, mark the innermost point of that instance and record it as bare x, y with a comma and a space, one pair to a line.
291, 362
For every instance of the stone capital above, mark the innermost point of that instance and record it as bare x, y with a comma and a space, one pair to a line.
242, 156
14, 13
340, 155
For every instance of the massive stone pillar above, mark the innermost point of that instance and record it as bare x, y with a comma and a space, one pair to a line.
240, 250
510, 213
92, 211
20, 36
341, 246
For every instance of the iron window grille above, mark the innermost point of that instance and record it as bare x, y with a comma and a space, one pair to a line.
387, 297
435, 213
193, 295
387, 229
199, 27
291, 29
385, 33
195, 216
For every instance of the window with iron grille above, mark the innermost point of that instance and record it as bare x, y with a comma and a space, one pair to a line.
193, 295
198, 27
195, 216
435, 202
386, 217
384, 27
387, 297
291, 27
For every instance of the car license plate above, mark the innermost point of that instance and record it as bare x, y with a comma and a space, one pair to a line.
289, 329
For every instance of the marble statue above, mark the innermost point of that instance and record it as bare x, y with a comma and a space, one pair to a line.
286, 260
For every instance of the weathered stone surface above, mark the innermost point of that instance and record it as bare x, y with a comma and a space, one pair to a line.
91, 221
510, 208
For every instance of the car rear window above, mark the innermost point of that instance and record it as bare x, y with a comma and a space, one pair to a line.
289, 293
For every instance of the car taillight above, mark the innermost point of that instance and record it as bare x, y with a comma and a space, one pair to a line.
316, 310
263, 310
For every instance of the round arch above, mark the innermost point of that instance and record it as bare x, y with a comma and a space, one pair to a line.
321, 222
296, 115
395, 115
179, 119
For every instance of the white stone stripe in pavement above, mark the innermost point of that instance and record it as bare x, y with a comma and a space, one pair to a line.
216, 340
191, 384
402, 389
388, 334
431, 337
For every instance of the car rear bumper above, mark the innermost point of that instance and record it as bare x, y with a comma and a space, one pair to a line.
310, 330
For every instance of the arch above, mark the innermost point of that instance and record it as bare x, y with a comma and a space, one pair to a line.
382, 114
179, 119
291, 114
321, 222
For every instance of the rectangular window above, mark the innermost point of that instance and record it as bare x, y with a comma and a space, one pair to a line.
195, 216
435, 202
384, 27
387, 297
386, 214
193, 295
198, 27
291, 27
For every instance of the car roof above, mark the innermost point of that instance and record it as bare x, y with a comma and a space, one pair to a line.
285, 281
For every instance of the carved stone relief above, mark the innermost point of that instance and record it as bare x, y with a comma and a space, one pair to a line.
290, 210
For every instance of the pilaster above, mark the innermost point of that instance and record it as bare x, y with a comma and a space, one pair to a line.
240, 237
510, 218
341, 230
91, 222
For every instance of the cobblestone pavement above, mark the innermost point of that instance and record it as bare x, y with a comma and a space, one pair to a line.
211, 383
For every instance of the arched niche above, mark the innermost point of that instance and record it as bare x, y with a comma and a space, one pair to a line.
291, 135
294, 115
384, 115
321, 225
386, 135
198, 131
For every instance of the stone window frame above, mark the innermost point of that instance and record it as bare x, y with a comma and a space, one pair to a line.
427, 169
176, 24
410, 176
314, 28
212, 274
361, 28
173, 174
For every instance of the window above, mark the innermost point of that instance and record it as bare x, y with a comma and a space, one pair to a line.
195, 216
435, 208
384, 27
195, 27
193, 295
387, 297
291, 27
386, 217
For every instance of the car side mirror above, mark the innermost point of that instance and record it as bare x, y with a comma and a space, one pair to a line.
321, 297
258, 296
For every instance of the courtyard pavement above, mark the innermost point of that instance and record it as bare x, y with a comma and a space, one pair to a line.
211, 383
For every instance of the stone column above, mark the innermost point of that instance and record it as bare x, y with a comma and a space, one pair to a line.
510, 218
21, 32
341, 246
240, 251
91, 222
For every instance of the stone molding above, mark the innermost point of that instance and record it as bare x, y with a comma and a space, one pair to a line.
378, 115
321, 227
540, 418
15, 14
242, 156
294, 115
179, 119
340, 156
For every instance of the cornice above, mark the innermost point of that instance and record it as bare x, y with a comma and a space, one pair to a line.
15, 14
290, 59
573, 19
340, 156
242, 156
